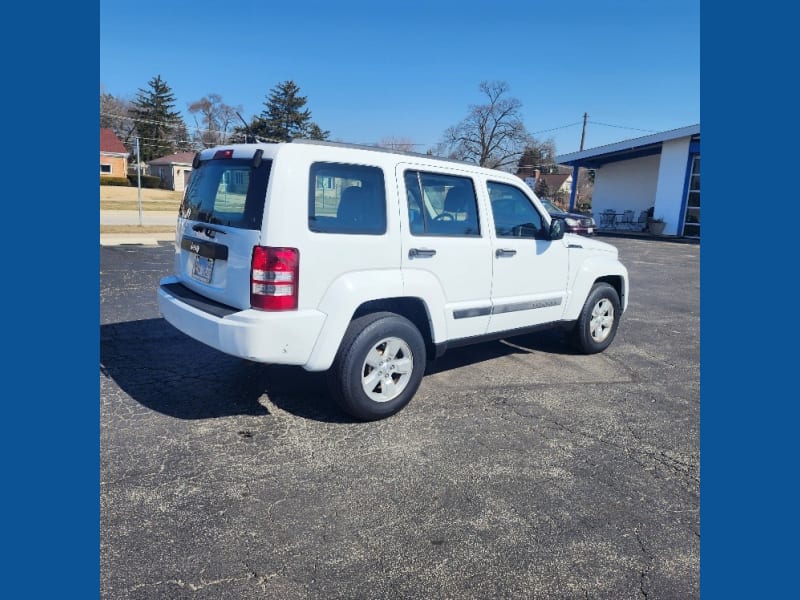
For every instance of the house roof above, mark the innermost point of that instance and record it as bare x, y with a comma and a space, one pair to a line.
109, 142
179, 158
554, 181
626, 149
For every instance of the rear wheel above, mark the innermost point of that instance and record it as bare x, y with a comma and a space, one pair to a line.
598, 321
379, 366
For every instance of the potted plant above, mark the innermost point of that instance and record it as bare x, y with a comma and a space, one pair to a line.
656, 226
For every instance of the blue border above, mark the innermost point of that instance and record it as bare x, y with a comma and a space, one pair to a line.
749, 409
51, 329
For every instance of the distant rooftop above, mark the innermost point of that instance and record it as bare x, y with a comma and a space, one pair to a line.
180, 158
109, 142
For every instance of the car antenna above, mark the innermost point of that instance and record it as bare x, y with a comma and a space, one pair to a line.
249, 137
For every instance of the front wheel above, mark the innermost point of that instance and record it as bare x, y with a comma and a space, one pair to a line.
379, 366
598, 321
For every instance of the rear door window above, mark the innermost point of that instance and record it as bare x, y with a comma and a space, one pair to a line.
227, 192
346, 198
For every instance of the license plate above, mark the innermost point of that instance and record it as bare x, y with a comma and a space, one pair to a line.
591, 230
202, 268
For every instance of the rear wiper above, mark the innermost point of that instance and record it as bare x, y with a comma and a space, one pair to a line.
209, 229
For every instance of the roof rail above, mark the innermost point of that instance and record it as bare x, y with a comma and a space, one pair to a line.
378, 149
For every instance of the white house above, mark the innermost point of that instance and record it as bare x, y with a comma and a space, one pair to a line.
174, 170
661, 171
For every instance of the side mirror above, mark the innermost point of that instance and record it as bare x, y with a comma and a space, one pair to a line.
557, 228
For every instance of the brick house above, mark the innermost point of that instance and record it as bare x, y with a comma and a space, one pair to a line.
113, 155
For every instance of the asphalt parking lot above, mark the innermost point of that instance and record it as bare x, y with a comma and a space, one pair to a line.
519, 470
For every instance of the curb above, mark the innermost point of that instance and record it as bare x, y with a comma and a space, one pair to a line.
136, 239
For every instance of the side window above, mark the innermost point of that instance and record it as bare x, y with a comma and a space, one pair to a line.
514, 214
346, 198
441, 204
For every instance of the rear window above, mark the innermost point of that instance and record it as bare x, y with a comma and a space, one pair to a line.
227, 192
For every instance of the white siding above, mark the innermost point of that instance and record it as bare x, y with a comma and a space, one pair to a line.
628, 184
671, 179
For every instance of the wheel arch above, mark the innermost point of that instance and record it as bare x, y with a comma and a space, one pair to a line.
353, 296
591, 272
616, 282
412, 308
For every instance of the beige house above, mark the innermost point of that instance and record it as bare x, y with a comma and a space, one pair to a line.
113, 155
558, 184
174, 170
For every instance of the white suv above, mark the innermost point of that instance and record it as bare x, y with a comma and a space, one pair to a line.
366, 263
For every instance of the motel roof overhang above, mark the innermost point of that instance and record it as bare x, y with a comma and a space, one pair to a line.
625, 150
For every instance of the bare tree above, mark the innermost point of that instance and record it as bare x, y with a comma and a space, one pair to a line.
216, 120
401, 144
585, 187
115, 114
493, 134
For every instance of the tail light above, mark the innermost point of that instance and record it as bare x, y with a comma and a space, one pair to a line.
274, 276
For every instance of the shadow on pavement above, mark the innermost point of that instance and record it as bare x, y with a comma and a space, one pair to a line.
549, 341
169, 372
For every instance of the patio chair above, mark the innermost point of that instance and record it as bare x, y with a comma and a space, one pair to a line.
641, 223
607, 219
627, 219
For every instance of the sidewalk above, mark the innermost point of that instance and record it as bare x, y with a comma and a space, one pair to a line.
139, 239
131, 217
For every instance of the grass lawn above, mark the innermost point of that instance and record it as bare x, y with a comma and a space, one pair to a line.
114, 197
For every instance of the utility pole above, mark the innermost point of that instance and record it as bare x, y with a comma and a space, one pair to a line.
139, 178
583, 133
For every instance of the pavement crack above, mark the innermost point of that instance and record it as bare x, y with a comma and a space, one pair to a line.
644, 573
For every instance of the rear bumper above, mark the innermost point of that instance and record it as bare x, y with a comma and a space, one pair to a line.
285, 337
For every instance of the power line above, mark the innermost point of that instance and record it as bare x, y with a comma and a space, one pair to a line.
556, 128
623, 127
167, 123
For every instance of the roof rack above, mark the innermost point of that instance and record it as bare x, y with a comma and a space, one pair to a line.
378, 149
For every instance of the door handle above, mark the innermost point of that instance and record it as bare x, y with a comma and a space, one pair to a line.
501, 252
421, 253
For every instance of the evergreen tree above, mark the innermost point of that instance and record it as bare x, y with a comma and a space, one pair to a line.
182, 139
542, 190
285, 116
537, 155
156, 122
316, 133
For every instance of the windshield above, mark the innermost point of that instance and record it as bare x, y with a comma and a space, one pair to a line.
227, 192
548, 206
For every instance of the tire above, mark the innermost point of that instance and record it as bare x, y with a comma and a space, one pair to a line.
379, 366
598, 321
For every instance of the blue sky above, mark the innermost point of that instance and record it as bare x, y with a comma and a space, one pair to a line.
374, 70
